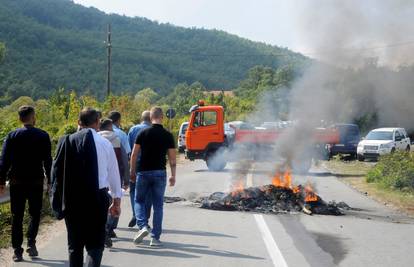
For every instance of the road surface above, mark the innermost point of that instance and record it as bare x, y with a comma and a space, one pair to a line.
372, 236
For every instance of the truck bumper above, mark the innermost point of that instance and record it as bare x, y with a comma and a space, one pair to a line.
194, 154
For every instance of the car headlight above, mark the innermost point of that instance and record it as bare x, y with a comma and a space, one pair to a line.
385, 146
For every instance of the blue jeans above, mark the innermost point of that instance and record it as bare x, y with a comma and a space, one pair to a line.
148, 200
154, 183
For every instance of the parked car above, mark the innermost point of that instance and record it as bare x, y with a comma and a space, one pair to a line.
349, 138
181, 137
383, 141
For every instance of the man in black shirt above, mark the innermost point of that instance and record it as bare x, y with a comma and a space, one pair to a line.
26, 158
154, 143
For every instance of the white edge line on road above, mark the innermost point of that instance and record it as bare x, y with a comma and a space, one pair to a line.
272, 248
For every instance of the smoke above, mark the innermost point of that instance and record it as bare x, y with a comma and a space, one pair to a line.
362, 73
365, 53
346, 33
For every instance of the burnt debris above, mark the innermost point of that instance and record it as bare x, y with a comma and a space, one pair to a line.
272, 199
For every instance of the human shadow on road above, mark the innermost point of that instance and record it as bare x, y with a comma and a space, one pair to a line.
207, 170
183, 250
52, 263
183, 232
196, 233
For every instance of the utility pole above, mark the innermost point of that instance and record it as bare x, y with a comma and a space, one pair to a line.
108, 75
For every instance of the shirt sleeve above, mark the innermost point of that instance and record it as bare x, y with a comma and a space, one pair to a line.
139, 138
125, 143
47, 161
131, 137
5, 160
170, 142
114, 178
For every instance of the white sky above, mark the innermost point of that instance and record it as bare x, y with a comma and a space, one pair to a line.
269, 21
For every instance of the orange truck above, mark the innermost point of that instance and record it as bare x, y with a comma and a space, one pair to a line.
206, 139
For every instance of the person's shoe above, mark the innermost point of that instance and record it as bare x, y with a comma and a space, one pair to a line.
108, 242
155, 243
17, 257
32, 251
112, 234
132, 222
141, 235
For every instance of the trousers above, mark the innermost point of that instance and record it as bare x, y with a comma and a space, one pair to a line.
86, 229
19, 194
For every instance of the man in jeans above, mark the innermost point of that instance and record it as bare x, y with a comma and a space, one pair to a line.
132, 137
154, 144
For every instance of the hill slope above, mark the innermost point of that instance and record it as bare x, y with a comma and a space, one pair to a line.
56, 43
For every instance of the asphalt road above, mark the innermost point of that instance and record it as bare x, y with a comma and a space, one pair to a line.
372, 235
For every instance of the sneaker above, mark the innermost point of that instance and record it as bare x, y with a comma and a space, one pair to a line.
17, 257
141, 235
132, 222
148, 228
155, 243
32, 251
112, 234
108, 242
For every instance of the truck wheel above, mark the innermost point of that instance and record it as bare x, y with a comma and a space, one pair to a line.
360, 158
215, 162
408, 149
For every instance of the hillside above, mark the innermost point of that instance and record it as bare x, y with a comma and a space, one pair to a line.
56, 43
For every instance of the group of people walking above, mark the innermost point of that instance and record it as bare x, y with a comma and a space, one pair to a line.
86, 177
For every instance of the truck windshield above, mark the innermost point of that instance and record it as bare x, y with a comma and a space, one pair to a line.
378, 135
184, 128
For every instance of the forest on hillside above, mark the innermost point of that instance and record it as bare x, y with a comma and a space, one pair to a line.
54, 44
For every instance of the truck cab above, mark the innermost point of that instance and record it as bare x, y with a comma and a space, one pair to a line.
205, 134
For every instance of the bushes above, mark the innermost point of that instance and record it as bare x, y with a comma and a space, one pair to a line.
394, 171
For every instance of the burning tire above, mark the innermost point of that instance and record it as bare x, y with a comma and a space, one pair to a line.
215, 161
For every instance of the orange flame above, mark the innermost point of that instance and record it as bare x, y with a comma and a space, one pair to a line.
288, 179
310, 195
237, 187
285, 182
296, 189
276, 180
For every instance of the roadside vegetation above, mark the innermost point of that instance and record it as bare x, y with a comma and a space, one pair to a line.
394, 171
389, 181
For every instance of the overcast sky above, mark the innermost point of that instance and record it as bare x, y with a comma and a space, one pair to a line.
269, 21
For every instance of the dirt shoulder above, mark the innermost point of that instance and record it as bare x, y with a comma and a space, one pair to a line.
353, 174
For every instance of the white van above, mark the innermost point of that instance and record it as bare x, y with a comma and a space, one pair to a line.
383, 141
181, 137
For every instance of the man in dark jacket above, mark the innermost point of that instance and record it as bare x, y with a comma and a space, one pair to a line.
84, 169
26, 158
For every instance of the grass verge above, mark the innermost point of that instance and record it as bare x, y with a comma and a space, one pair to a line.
355, 174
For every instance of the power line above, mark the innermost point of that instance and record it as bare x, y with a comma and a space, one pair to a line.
197, 54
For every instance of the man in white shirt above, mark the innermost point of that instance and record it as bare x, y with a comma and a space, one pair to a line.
84, 169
